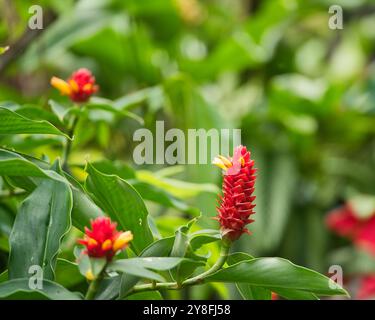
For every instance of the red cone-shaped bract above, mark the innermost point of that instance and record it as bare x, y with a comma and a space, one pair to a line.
236, 204
103, 240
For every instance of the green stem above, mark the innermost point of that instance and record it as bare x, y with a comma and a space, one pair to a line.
199, 279
217, 266
68, 144
94, 286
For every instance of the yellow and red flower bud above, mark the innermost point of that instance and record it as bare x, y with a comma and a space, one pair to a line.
236, 203
103, 240
79, 87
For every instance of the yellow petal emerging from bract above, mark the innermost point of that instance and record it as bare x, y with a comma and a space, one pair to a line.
107, 245
73, 85
123, 239
89, 275
61, 85
222, 162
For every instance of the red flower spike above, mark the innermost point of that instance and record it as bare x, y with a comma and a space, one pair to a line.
79, 87
236, 204
103, 240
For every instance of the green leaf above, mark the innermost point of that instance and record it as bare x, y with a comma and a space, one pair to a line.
96, 103
248, 292
182, 248
12, 164
20, 289
4, 276
130, 100
42, 221
21, 171
177, 188
6, 220
158, 195
141, 267
122, 203
160, 248
67, 273
149, 295
277, 273
84, 209
295, 294
37, 113
199, 238
118, 168
14, 123
62, 112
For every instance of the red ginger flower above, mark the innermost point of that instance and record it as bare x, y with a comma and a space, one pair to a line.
367, 287
104, 240
79, 87
236, 204
346, 223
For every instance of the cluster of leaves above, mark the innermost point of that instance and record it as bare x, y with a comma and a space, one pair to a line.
301, 93
51, 200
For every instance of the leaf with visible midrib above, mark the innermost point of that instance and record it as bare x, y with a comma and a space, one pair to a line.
42, 220
14, 123
20, 289
276, 273
142, 267
122, 203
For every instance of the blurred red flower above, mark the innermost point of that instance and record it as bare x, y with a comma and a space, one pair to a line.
345, 222
79, 87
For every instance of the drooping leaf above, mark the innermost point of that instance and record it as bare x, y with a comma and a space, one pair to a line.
247, 291
122, 203
42, 221
142, 267
67, 273
12, 164
14, 123
274, 273
20, 289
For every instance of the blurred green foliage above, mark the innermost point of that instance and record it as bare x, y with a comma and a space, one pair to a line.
302, 94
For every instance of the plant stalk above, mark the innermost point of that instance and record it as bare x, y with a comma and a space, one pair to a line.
94, 286
199, 279
68, 144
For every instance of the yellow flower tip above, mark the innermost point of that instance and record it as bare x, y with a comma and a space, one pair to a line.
61, 85
92, 242
87, 87
242, 161
107, 245
89, 275
122, 240
222, 162
73, 85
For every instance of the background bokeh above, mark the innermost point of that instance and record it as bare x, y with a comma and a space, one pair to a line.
302, 94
